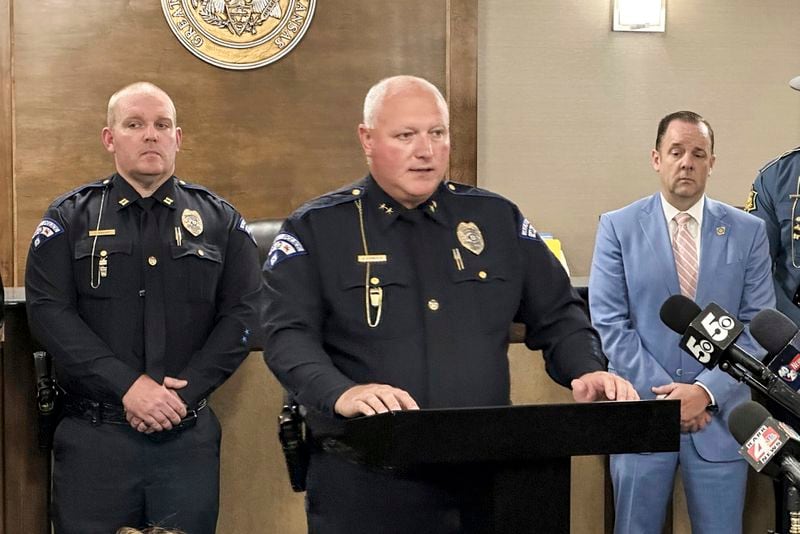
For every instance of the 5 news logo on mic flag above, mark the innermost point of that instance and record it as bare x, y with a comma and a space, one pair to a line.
710, 334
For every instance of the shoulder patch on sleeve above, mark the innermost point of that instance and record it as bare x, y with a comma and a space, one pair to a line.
242, 226
46, 230
750, 205
285, 246
527, 231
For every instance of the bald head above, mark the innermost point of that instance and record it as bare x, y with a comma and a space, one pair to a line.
389, 87
138, 88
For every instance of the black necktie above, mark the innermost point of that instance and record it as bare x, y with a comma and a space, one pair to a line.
154, 318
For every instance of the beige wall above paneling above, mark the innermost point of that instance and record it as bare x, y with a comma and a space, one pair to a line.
568, 109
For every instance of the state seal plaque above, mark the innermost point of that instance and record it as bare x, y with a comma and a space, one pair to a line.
239, 34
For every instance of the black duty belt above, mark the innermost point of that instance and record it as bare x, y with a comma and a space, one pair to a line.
104, 412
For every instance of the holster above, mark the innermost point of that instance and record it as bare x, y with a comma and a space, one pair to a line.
292, 434
49, 403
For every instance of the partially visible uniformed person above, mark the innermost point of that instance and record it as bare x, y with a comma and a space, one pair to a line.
396, 293
775, 198
145, 289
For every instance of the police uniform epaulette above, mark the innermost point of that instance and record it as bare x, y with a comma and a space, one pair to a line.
471, 190
91, 185
349, 193
774, 161
196, 187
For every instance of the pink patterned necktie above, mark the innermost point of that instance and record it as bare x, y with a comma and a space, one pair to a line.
683, 245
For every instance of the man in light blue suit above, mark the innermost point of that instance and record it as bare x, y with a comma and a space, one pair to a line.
722, 257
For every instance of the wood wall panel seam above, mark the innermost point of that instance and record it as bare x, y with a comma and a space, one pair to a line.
7, 237
462, 88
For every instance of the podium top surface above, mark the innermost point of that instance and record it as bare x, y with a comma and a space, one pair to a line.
504, 434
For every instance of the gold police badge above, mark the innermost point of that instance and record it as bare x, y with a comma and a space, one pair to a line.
192, 221
470, 237
239, 34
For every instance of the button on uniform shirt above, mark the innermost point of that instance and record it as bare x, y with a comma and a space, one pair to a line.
428, 307
86, 287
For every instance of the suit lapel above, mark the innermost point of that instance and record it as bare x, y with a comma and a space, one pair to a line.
655, 233
713, 244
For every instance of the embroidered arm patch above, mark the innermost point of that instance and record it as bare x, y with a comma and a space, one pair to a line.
285, 246
243, 227
527, 231
46, 230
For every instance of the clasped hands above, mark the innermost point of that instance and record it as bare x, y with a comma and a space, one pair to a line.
153, 407
694, 401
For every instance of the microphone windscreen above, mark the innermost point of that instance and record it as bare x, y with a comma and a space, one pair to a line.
678, 312
745, 419
773, 330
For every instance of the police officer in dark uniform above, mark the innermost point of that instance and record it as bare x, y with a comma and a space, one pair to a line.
397, 293
774, 198
145, 289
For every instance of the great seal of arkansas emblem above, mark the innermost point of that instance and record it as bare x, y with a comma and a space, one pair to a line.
239, 34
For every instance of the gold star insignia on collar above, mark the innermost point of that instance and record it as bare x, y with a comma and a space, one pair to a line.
124, 202
387, 209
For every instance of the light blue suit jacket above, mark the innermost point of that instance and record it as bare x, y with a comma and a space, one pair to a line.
633, 273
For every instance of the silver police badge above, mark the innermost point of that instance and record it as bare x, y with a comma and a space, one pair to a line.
470, 237
192, 221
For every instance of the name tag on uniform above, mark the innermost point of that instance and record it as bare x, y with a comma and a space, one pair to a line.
372, 258
97, 233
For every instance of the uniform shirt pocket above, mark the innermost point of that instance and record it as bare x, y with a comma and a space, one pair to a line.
488, 288
107, 273
198, 267
386, 293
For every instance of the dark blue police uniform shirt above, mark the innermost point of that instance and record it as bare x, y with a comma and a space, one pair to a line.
445, 311
212, 288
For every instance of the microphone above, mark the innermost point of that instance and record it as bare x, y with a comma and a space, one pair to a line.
709, 335
769, 446
709, 339
781, 337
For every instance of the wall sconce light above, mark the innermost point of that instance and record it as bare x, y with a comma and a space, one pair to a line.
640, 15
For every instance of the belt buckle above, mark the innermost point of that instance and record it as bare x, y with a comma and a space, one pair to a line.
187, 422
95, 413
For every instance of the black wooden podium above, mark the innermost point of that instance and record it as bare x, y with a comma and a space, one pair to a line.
526, 450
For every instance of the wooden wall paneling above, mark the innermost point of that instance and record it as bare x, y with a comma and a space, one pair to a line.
26, 468
267, 139
462, 88
6, 147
